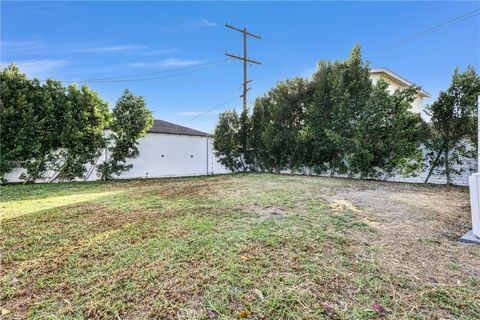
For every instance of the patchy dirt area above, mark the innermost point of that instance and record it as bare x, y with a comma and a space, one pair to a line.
416, 224
264, 212
417, 229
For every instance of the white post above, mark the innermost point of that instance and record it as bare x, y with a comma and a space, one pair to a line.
474, 183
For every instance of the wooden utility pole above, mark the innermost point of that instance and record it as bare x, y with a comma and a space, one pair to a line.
244, 59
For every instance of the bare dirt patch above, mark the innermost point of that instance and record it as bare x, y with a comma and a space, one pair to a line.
264, 212
417, 228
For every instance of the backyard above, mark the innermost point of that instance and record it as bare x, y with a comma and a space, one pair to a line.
252, 246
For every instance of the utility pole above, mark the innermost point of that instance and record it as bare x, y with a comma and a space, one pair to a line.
244, 59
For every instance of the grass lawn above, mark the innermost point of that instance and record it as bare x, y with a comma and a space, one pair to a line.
237, 246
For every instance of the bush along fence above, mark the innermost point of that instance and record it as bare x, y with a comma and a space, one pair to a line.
338, 123
49, 129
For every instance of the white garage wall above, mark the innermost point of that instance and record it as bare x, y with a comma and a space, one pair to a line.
183, 155
164, 155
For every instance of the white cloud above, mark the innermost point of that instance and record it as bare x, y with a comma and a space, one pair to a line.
39, 68
170, 62
202, 23
35, 47
20, 46
117, 48
208, 23
160, 51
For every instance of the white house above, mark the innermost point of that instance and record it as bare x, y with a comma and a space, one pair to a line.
397, 82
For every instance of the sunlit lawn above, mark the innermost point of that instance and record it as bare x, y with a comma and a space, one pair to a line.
226, 247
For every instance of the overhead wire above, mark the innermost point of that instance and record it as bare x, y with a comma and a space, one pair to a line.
209, 110
430, 30
161, 71
119, 79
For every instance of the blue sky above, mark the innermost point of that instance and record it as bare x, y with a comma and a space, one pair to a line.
79, 41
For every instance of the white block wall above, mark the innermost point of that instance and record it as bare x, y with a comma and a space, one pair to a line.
469, 167
193, 156
161, 155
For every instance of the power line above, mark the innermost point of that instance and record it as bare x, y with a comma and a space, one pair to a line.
209, 110
156, 78
418, 35
114, 79
159, 72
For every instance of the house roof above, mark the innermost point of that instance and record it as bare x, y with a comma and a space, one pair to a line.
160, 126
395, 77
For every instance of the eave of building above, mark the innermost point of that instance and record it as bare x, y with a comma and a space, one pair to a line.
165, 127
387, 73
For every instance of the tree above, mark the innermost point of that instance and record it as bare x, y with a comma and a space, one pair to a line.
17, 116
226, 140
46, 127
350, 90
260, 119
244, 147
286, 104
130, 121
48, 103
85, 119
453, 133
387, 135
321, 150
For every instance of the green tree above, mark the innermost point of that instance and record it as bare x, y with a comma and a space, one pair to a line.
226, 140
130, 121
350, 90
453, 129
388, 135
321, 149
86, 117
244, 147
18, 119
49, 102
260, 119
286, 104
46, 127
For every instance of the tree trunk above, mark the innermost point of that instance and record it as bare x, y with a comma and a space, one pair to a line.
242, 162
32, 177
447, 167
434, 165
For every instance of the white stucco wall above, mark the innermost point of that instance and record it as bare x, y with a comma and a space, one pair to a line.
161, 155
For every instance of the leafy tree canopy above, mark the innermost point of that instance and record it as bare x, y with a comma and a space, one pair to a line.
130, 121
453, 134
337, 121
49, 128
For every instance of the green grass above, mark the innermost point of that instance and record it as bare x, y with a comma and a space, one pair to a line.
262, 246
